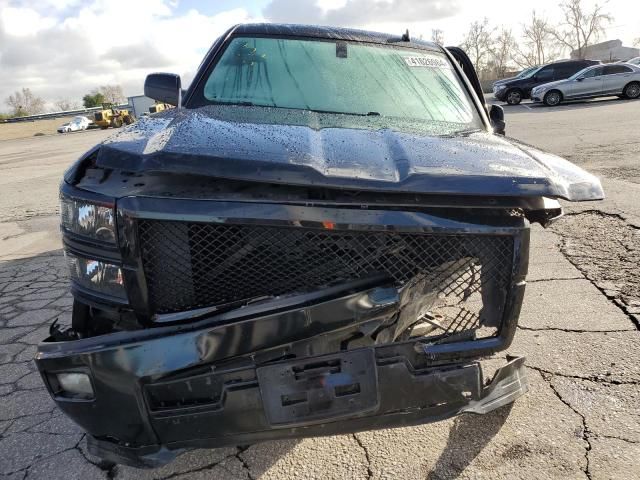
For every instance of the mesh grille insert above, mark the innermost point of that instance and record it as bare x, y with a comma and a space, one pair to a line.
193, 265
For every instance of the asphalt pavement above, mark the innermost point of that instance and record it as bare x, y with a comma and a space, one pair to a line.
579, 330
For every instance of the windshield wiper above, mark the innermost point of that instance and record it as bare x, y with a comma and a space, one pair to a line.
251, 104
243, 104
368, 114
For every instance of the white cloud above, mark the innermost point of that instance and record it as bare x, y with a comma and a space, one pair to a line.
105, 42
358, 12
65, 48
24, 21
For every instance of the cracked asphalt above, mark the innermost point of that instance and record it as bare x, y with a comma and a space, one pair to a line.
579, 329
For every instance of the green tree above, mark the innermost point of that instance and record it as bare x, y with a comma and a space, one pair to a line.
93, 99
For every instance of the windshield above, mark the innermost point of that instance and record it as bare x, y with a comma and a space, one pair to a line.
345, 78
526, 72
530, 72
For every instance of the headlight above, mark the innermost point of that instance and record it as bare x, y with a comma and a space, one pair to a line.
95, 275
88, 219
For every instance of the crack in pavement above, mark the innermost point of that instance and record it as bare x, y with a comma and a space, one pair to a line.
601, 213
572, 330
201, 469
613, 437
586, 433
592, 378
110, 468
603, 260
585, 429
39, 459
245, 465
366, 454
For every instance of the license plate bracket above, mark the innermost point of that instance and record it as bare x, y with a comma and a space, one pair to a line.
318, 389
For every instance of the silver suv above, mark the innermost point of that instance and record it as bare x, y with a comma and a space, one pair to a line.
621, 79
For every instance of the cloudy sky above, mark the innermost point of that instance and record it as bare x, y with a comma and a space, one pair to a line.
62, 49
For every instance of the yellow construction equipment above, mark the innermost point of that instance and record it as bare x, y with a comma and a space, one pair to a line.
110, 116
159, 107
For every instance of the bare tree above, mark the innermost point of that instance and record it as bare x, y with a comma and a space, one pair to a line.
437, 36
502, 51
538, 46
636, 42
25, 103
112, 93
580, 27
64, 104
477, 43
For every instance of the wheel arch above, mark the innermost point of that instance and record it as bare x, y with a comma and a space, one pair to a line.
632, 82
544, 99
509, 90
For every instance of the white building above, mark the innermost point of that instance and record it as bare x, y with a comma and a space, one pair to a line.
609, 51
140, 104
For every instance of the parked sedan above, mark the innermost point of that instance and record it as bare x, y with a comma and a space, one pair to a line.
77, 123
620, 79
516, 90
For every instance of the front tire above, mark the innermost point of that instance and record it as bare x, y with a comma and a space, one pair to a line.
514, 97
552, 98
632, 91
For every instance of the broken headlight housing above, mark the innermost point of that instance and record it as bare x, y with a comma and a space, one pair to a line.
88, 219
97, 276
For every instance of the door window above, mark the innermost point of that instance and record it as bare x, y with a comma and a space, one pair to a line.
594, 72
615, 69
546, 74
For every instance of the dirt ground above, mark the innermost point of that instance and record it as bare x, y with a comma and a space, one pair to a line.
10, 131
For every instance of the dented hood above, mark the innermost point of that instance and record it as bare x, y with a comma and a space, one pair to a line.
341, 151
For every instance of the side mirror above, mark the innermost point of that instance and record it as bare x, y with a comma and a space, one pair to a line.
164, 87
496, 115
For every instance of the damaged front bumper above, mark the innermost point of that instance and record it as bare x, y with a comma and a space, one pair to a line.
253, 374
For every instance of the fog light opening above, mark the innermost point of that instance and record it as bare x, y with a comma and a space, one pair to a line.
73, 385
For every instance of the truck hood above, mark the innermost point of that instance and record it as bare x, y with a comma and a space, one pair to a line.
297, 147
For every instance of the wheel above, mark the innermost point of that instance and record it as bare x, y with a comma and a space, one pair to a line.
552, 98
514, 97
128, 120
116, 122
632, 90
103, 128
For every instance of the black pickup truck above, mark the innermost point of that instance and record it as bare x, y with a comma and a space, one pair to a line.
326, 236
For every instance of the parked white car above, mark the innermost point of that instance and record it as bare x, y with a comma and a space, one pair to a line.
76, 123
621, 79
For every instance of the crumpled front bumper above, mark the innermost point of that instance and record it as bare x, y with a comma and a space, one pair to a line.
253, 374
405, 398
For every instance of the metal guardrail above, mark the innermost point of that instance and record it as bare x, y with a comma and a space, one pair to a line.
66, 113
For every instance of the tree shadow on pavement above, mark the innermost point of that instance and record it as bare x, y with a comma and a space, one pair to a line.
469, 435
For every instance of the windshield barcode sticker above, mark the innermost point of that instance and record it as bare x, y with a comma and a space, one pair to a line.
433, 62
